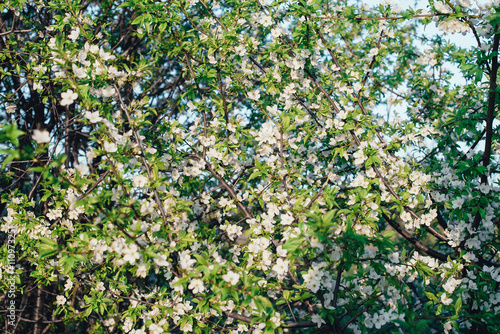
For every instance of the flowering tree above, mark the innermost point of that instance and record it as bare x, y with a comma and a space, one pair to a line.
196, 166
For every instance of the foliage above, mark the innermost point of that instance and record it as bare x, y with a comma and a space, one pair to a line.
202, 166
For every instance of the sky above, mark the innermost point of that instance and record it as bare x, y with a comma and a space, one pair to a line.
467, 41
457, 39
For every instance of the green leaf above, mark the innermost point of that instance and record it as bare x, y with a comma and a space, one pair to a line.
201, 260
68, 263
48, 241
431, 296
458, 305
327, 219
421, 326
479, 75
292, 244
389, 234
254, 175
138, 20
439, 309
286, 122
181, 281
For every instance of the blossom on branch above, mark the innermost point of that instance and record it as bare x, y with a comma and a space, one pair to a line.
68, 97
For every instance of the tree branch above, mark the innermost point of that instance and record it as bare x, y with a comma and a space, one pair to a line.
418, 244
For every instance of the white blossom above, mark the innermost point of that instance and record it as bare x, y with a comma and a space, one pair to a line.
10, 109
110, 147
231, 277
60, 300
140, 181
41, 136
281, 267
286, 219
68, 97
254, 95
93, 117
196, 285
316, 318
75, 32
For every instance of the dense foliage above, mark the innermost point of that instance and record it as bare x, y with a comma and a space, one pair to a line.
202, 166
